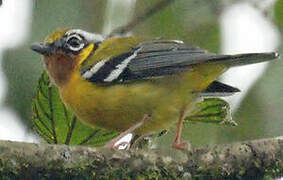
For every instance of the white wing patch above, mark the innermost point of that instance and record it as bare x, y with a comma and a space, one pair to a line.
120, 67
94, 69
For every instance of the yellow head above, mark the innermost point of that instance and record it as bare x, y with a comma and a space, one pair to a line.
65, 50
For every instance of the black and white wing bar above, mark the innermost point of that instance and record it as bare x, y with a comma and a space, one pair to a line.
110, 70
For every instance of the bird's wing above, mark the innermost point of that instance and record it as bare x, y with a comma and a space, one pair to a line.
147, 60
158, 58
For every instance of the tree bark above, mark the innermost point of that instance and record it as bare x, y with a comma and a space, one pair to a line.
250, 159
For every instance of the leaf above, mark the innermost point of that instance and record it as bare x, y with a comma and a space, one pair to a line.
212, 110
56, 124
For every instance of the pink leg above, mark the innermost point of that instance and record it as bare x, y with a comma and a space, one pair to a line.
111, 144
177, 142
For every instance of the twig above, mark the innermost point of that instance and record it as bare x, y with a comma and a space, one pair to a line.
141, 18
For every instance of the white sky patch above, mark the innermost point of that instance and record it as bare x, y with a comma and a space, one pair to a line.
245, 29
15, 19
12, 129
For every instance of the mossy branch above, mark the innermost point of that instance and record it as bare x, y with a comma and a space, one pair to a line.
20, 160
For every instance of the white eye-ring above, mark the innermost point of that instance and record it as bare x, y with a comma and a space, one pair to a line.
74, 42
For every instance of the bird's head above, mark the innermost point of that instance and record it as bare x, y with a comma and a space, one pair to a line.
64, 50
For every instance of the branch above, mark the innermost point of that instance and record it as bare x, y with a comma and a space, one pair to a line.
141, 18
33, 161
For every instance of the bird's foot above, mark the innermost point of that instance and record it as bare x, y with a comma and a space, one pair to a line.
122, 145
181, 145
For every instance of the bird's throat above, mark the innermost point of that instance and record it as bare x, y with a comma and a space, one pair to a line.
60, 69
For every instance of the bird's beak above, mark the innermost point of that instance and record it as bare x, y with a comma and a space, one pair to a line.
41, 48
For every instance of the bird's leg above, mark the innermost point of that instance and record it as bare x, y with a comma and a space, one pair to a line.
177, 142
111, 144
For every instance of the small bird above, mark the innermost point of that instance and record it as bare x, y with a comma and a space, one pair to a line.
134, 84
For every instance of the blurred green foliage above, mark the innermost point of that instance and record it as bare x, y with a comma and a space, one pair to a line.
181, 21
195, 21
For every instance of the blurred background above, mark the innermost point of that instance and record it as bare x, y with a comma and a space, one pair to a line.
221, 26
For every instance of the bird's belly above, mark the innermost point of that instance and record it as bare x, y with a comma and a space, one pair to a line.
122, 118
121, 106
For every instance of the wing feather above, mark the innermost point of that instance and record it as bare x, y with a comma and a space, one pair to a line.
160, 58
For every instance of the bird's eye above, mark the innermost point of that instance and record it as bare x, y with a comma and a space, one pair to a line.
75, 43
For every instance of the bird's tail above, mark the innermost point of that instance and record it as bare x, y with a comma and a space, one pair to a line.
244, 59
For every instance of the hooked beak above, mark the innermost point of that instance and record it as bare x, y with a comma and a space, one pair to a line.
41, 48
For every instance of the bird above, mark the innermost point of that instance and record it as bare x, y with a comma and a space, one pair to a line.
135, 84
